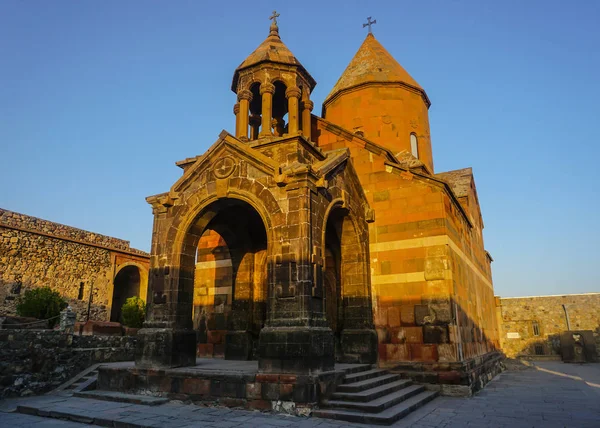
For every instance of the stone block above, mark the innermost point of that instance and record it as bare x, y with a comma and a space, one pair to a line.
435, 334
253, 390
447, 352
394, 317
420, 352
397, 352
407, 314
423, 315
195, 386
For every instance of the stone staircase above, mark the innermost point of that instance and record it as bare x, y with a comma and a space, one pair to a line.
373, 396
84, 381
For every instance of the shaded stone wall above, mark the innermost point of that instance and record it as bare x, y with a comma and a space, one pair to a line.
519, 314
36, 253
37, 361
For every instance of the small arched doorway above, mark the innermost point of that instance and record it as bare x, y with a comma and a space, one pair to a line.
125, 285
229, 303
347, 290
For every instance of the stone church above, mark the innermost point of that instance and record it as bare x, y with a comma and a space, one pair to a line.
303, 241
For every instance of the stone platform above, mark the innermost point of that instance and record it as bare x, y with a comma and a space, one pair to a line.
227, 382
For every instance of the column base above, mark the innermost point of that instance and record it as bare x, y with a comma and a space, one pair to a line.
298, 350
238, 345
359, 346
162, 348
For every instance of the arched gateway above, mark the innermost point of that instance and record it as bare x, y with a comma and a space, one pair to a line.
270, 211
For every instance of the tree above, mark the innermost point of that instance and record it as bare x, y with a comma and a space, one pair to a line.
41, 303
133, 312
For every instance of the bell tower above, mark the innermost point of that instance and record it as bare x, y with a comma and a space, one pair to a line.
273, 92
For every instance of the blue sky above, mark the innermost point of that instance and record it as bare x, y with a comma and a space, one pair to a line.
98, 99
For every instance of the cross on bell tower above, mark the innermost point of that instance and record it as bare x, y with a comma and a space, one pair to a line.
369, 23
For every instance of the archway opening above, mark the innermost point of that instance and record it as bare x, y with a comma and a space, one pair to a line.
280, 109
126, 285
346, 289
255, 111
332, 277
230, 275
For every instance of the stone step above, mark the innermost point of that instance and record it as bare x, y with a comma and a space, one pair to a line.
363, 385
357, 369
368, 374
381, 403
372, 393
122, 397
386, 417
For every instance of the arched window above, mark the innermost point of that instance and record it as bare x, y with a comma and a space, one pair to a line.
414, 147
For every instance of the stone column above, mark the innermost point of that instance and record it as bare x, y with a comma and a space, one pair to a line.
293, 95
67, 320
266, 91
306, 122
244, 98
236, 111
296, 338
255, 122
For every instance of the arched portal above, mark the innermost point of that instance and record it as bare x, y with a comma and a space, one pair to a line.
347, 290
126, 285
229, 303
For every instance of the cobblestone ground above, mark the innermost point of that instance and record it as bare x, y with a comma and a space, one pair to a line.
547, 396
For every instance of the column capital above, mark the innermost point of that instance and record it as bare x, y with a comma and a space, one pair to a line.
244, 94
267, 88
236, 108
308, 105
293, 91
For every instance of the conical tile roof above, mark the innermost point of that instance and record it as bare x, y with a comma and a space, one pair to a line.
372, 63
272, 49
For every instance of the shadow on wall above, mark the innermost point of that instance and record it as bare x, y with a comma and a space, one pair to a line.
428, 329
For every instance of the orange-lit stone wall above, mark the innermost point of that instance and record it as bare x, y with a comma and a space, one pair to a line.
385, 114
430, 278
212, 294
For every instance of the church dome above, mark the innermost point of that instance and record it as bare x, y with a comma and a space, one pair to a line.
272, 50
373, 64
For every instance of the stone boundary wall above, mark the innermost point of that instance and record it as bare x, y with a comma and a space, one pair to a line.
518, 315
80, 265
13, 220
37, 361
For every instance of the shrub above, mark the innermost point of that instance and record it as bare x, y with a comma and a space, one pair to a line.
41, 303
133, 312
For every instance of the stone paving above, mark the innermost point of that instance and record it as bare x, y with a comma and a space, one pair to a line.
550, 395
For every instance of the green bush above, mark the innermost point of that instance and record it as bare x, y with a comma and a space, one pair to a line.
133, 312
41, 303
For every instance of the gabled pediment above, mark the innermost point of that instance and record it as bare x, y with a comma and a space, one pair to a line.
226, 154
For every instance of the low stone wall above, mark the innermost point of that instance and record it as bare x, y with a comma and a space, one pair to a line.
37, 361
530, 327
78, 264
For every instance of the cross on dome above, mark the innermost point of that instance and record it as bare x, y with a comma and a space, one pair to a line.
369, 23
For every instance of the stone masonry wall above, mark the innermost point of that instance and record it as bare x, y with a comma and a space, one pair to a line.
519, 314
36, 253
36, 361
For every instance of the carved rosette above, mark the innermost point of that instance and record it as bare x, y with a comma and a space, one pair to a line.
224, 167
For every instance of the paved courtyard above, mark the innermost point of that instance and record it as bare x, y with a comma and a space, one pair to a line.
550, 395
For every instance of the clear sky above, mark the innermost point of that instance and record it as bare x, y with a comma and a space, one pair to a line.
99, 99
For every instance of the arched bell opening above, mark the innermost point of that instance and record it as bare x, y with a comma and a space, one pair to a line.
229, 303
280, 109
255, 111
126, 285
